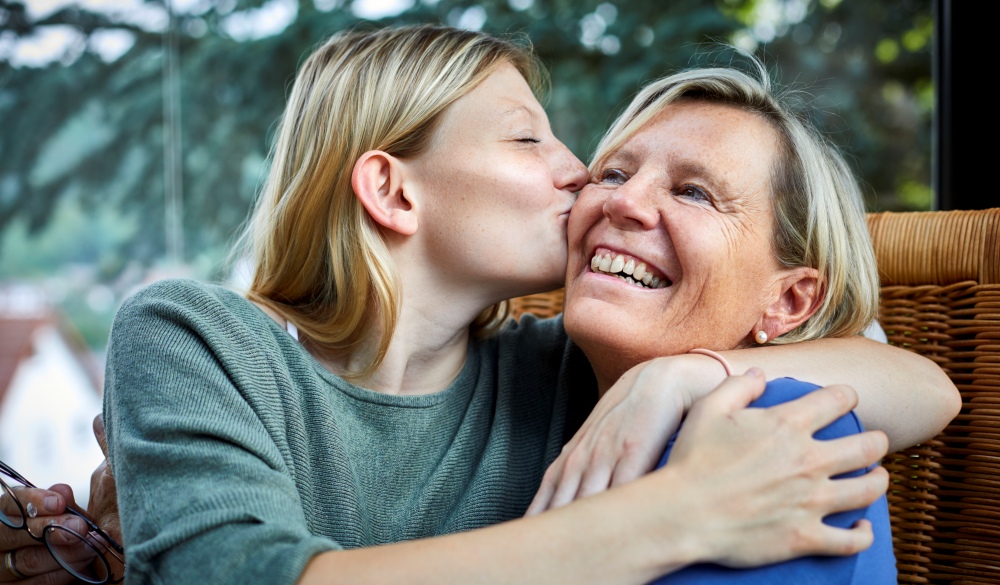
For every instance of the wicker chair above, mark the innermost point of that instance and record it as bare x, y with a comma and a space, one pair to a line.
940, 275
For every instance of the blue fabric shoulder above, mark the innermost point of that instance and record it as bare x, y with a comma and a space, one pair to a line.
874, 566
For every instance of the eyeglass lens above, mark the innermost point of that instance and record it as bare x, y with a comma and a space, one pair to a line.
76, 553
11, 512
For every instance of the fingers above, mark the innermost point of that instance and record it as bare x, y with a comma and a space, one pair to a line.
831, 541
853, 452
74, 523
33, 561
818, 409
855, 493
596, 479
735, 393
38, 505
540, 503
631, 468
18, 539
100, 435
569, 481
38, 502
59, 577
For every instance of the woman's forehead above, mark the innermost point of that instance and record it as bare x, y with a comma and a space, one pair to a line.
502, 99
701, 138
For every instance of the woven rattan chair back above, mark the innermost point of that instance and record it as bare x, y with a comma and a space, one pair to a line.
941, 298
940, 274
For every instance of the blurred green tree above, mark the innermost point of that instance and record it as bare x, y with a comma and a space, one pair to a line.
90, 131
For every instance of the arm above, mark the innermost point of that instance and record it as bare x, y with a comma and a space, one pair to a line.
206, 500
720, 499
901, 393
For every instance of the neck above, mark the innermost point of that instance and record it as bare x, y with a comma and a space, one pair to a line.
425, 354
608, 365
430, 344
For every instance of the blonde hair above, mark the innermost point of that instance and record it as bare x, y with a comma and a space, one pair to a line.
818, 207
319, 259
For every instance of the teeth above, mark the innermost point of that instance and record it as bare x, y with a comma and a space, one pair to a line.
627, 271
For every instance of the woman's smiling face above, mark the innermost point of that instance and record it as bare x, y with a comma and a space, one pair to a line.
684, 205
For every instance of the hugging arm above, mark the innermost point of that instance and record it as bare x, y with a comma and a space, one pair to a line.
207, 502
734, 497
901, 393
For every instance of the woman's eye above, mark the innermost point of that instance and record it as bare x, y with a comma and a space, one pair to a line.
612, 176
693, 192
529, 140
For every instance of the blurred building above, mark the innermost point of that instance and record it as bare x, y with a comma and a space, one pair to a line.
50, 392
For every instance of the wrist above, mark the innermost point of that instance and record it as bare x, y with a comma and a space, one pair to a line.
672, 537
691, 376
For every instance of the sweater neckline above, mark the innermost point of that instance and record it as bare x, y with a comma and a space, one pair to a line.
462, 385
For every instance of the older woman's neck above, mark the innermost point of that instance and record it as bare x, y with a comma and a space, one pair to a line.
609, 367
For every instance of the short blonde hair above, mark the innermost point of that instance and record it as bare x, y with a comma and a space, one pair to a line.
818, 207
319, 260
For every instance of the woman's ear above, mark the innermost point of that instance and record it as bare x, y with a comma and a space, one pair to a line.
377, 180
799, 296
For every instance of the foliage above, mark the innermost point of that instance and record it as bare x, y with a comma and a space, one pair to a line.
91, 132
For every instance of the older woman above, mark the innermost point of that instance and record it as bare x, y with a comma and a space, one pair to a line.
715, 219
354, 397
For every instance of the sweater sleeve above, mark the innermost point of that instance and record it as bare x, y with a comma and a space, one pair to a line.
204, 488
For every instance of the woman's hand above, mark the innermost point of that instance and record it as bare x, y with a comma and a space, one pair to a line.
627, 432
103, 505
31, 557
763, 483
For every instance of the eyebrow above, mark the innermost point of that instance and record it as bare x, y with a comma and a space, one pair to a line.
622, 156
516, 110
683, 166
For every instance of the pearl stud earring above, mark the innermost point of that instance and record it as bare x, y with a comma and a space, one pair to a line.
761, 337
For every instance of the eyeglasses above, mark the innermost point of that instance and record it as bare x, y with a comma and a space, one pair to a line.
85, 556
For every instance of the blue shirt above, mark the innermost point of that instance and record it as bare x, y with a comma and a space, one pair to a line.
874, 566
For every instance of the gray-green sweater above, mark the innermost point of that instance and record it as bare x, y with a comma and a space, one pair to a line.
238, 456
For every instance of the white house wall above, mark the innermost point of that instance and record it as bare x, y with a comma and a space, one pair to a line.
46, 417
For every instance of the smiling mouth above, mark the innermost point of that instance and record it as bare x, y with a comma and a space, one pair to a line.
628, 270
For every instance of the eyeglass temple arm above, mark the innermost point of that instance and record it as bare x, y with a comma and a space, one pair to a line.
9, 472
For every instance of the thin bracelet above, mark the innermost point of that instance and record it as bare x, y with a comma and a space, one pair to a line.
712, 354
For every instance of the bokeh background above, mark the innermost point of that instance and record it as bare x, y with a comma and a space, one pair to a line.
133, 137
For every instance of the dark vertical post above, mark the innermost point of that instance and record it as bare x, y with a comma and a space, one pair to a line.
941, 138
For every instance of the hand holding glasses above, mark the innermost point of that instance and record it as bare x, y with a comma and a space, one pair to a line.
87, 556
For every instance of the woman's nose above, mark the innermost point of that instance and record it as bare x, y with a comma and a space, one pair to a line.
628, 208
570, 173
